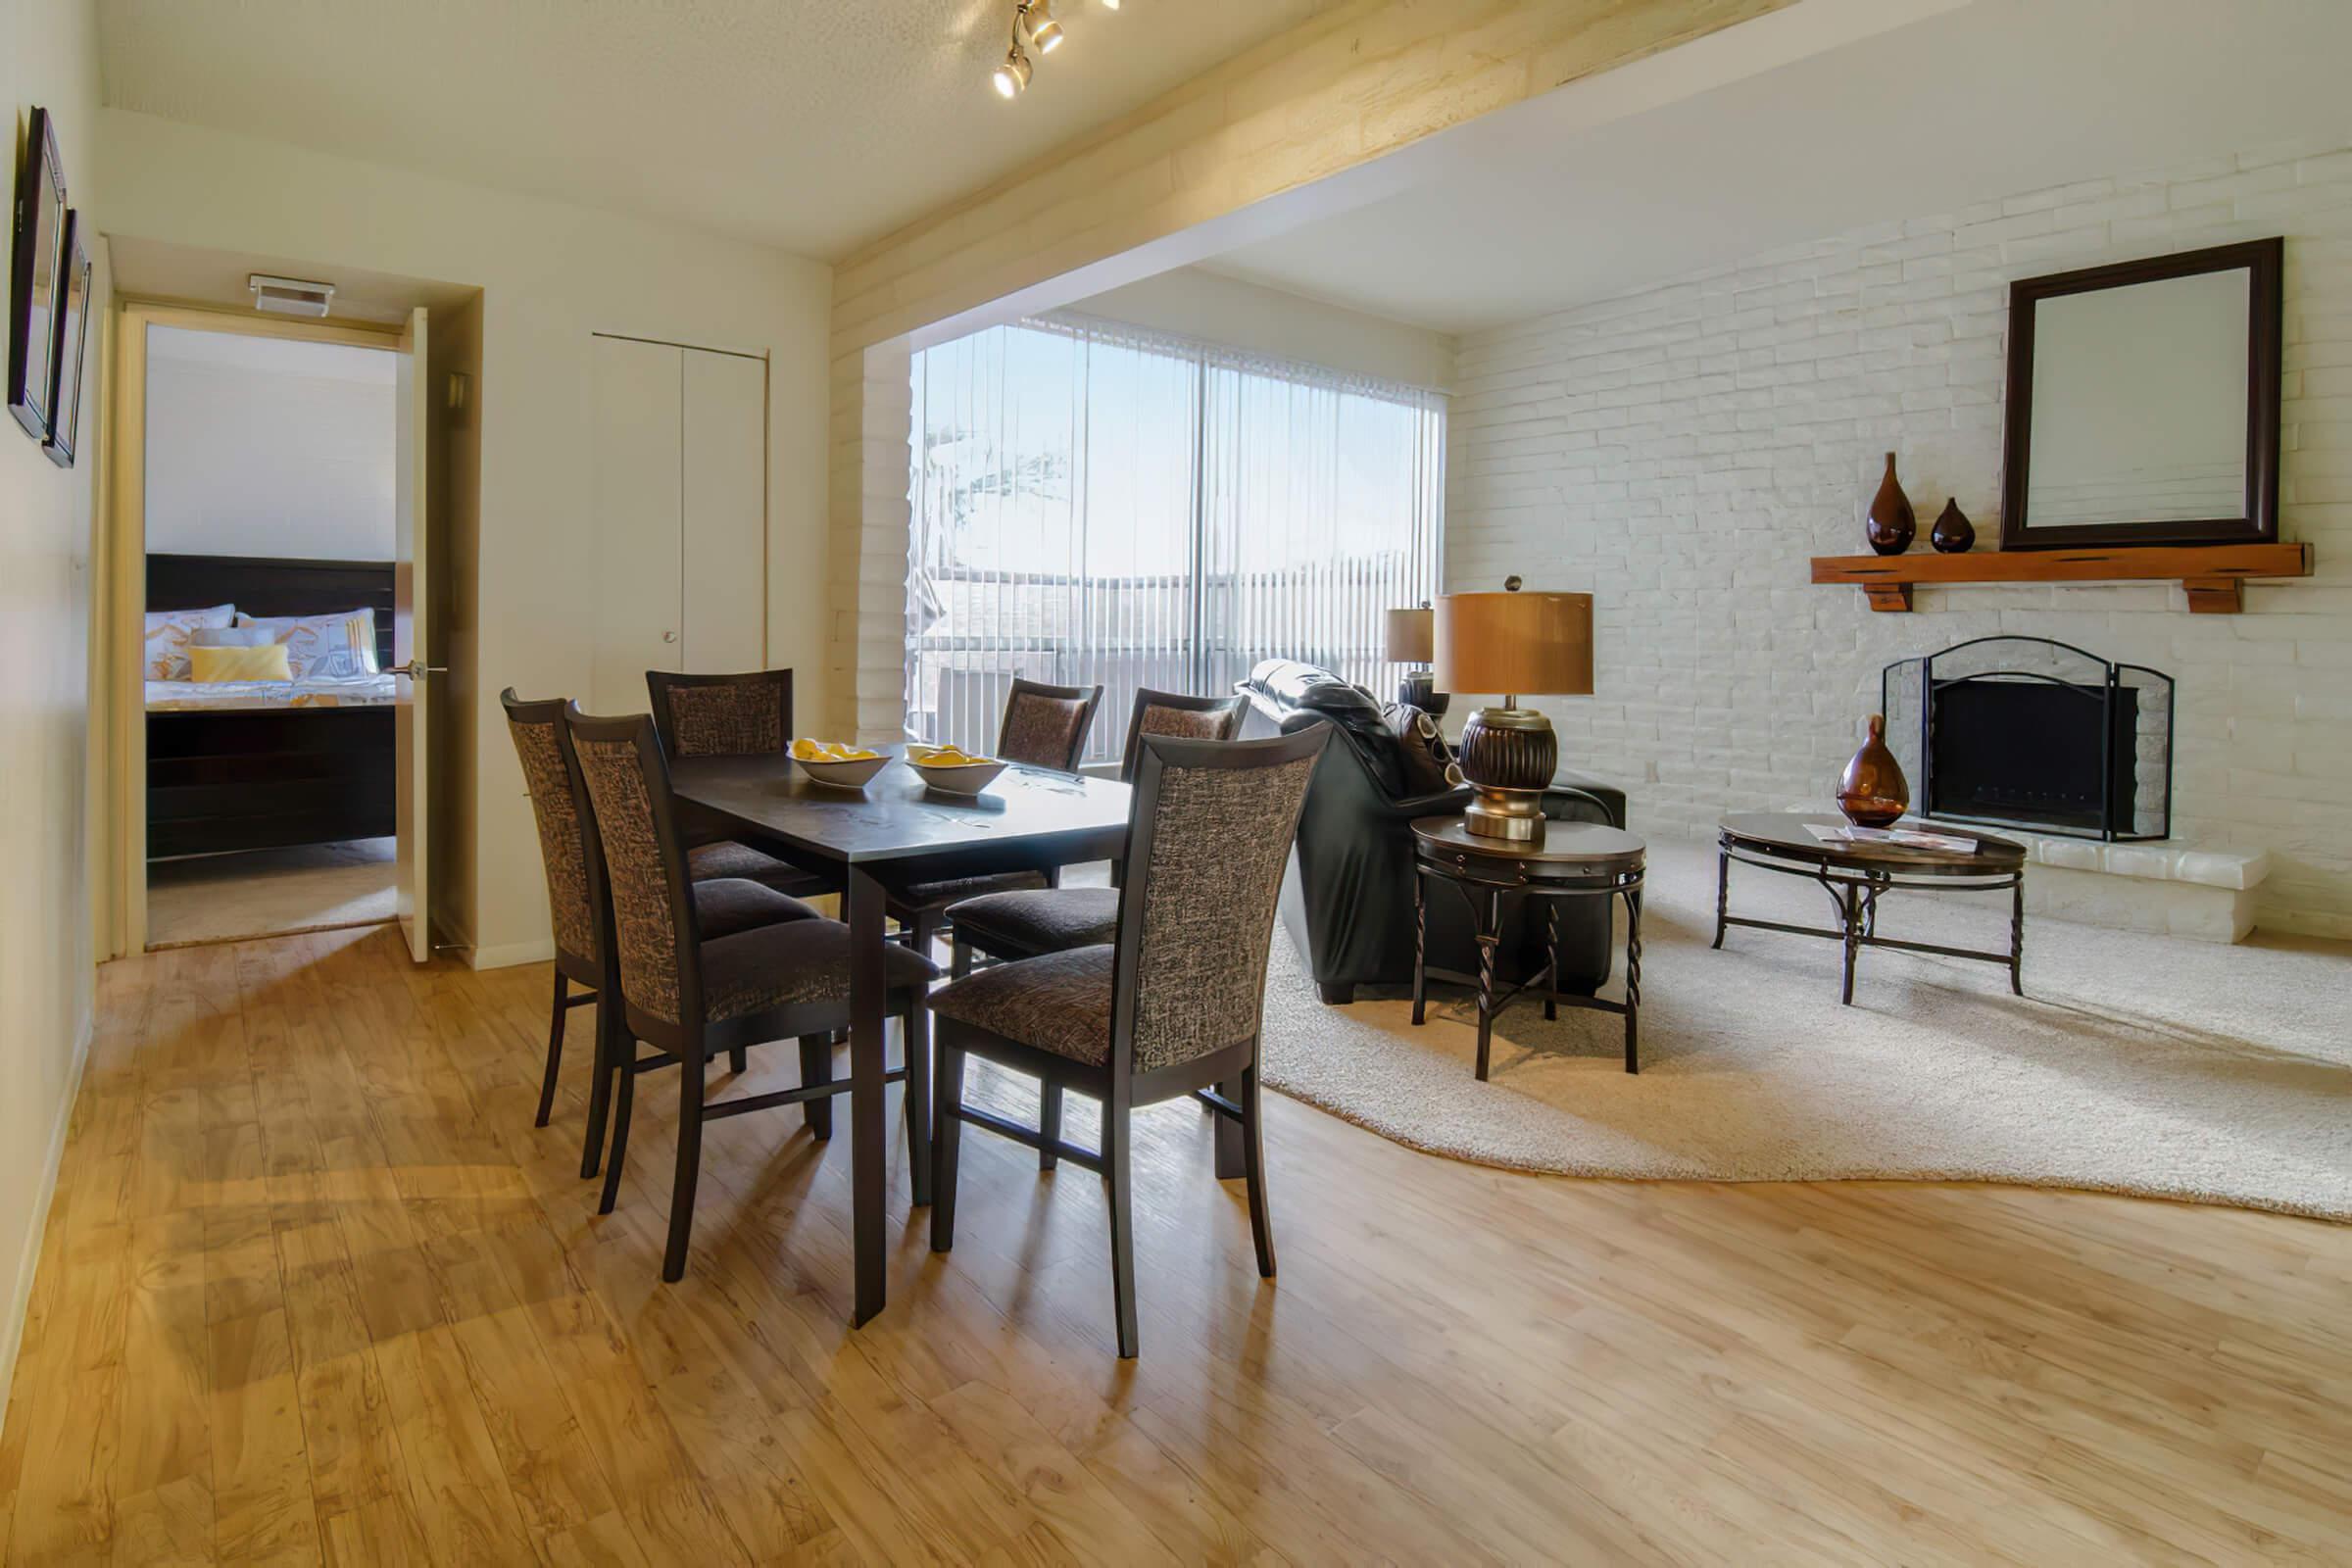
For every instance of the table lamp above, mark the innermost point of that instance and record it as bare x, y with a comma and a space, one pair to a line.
1408, 643
1517, 643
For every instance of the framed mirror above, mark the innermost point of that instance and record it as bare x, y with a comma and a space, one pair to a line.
2143, 403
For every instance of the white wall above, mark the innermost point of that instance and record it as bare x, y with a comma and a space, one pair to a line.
48, 55
550, 274
261, 446
1250, 315
1682, 451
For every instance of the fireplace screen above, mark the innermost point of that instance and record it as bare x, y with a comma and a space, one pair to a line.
2029, 733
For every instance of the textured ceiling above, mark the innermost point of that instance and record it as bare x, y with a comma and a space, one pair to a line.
814, 126
1522, 217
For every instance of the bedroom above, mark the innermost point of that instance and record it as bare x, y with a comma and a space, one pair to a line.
270, 493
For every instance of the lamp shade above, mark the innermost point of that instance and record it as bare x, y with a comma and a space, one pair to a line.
1514, 643
1410, 635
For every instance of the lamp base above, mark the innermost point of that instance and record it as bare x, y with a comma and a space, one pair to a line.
1508, 755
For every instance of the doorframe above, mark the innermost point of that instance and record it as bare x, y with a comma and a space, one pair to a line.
118, 902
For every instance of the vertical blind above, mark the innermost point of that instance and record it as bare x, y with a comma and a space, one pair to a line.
1097, 504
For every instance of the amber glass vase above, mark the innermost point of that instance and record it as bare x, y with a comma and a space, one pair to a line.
1873, 792
1890, 524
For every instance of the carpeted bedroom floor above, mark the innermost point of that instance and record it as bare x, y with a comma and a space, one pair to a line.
2133, 1064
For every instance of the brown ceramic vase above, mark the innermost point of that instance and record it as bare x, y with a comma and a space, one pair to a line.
1953, 535
1890, 524
1873, 792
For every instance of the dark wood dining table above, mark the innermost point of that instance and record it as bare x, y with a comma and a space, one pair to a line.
892, 832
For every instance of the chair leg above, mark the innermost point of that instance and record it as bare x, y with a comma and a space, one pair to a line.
915, 1031
926, 932
817, 1067
1116, 1137
600, 1089
737, 1061
555, 1054
690, 1165
1254, 1151
947, 1143
1048, 1123
959, 959
624, 1067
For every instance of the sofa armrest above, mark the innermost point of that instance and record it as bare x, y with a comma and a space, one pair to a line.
1611, 799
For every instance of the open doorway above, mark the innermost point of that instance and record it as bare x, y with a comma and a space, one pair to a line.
270, 480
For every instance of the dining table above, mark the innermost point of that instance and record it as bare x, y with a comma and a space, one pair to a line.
894, 831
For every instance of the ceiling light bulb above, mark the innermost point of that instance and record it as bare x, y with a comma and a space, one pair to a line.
1110, 5
1012, 75
1044, 31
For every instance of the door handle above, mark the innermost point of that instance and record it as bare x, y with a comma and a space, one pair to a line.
417, 670
669, 636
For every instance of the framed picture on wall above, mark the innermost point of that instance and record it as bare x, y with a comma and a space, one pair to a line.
41, 232
72, 338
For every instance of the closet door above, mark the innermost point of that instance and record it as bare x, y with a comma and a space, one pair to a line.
636, 456
725, 498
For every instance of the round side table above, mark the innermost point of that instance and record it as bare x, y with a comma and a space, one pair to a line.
1572, 860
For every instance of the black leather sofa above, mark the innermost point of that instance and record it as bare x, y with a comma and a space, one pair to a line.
1347, 900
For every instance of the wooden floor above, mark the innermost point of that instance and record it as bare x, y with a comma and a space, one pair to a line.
313, 1287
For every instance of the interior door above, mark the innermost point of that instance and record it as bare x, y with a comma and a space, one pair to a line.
412, 719
636, 449
724, 484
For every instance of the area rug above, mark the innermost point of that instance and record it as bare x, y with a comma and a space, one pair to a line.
2133, 1064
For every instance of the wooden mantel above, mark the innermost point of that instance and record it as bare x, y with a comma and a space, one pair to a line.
2212, 573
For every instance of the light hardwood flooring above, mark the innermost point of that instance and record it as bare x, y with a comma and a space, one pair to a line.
312, 1287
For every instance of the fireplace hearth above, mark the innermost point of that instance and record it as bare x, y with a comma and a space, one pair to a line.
2024, 732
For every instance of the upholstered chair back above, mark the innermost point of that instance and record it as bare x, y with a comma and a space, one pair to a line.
1185, 716
1212, 830
722, 715
543, 745
645, 868
1044, 726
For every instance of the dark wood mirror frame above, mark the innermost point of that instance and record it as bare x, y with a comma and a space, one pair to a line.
2262, 260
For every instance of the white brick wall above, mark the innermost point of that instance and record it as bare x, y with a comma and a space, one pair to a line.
1681, 452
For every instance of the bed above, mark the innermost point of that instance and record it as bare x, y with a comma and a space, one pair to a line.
266, 764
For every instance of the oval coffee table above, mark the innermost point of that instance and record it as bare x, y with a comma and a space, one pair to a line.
1854, 875
1572, 860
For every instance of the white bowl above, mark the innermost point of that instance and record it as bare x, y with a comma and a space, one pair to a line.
852, 775
969, 779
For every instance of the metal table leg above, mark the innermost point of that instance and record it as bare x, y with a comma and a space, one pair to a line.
1420, 946
1633, 978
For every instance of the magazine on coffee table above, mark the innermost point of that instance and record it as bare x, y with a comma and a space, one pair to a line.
1909, 838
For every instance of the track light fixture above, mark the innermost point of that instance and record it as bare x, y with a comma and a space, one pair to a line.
1034, 25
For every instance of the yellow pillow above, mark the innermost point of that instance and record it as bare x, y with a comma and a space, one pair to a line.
267, 662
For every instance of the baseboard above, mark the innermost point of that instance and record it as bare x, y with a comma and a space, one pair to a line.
514, 952
21, 1297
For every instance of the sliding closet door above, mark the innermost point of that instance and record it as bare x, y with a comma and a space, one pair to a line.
725, 490
637, 453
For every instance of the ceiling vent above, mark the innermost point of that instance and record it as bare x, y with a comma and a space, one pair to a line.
290, 296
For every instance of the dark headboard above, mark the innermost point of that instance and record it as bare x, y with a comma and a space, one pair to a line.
275, 585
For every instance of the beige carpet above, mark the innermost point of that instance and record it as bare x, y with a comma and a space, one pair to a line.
2135, 1064
310, 887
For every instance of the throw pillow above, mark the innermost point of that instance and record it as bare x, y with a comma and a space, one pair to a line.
336, 647
265, 662
168, 635
1422, 748
232, 637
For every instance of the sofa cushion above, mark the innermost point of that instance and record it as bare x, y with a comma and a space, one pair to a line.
1421, 748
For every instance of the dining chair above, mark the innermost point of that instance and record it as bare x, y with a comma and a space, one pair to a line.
730, 716
1043, 726
581, 914
689, 998
1172, 1006
1025, 923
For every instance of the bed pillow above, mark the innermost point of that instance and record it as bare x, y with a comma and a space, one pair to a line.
168, 635
265, 662
232, 637
336, 647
